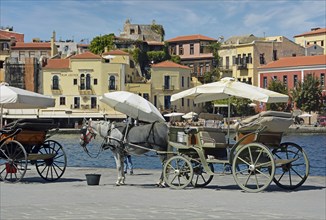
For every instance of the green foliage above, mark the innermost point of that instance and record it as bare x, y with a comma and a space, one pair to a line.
214, 48
158, 29
211, 76
307, 95
242, 107
277, 86
156, 56
99, 43
176, 59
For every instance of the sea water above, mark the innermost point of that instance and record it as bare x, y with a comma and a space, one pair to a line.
313, 144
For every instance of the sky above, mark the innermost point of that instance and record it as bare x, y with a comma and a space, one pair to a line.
86, 19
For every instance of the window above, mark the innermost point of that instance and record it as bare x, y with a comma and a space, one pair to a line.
234, 60
31, 54
62, 100
244, 58
262, 58
322, 79
75, 82
166, 82
239, 61
167, 102
188, 102
88, 82
274, 78
208, 67
76, 102
188, 82
44, 53
55, 82
182, 81
95, 82
182, 102
5, 46
295, 80
82, 82
274, 54
112, 83
192, 49
155, 100
227, 60
285, 81
265, 82
249, 58
146, 96
93, 102
173, 50
180, 49
201, 70
322, 43
249, 80
21, 55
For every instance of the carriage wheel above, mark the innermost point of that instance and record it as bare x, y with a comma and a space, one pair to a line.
294, 174
53, 168
178, 172
201, 178
13, 161
253, 167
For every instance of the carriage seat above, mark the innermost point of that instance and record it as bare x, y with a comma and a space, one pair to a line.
212, 139
273, 120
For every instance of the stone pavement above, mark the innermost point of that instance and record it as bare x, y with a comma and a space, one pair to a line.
70, 198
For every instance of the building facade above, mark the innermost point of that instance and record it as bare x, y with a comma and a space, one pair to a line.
316, 36
291, 70
77, 83
240, 57
194, 53
169, 78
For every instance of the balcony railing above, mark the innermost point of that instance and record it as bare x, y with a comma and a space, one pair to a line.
170, 88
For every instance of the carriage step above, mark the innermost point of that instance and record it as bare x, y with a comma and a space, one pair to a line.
219, 161
280, 162
40, 156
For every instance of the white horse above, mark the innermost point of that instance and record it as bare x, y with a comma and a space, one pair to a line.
122, 139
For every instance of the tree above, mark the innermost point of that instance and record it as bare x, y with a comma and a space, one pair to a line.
307, 95
99, 43
242, 106
277, 86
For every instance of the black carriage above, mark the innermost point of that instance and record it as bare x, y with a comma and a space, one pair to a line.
26, 141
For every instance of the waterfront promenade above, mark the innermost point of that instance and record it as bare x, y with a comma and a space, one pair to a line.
70, 198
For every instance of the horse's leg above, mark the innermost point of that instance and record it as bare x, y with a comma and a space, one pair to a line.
161, 182
119, 165
122, 172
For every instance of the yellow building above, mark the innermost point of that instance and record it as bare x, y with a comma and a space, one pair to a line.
168, 78
316, 37
77, 83
241, 56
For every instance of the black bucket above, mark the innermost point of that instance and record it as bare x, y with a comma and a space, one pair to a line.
93, 179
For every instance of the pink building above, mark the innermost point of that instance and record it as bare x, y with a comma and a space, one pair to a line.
291, 70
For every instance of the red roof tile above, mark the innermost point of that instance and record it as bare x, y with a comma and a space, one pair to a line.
169, 64
4, 37
57, 64
19, 37
115, 52
296, 62
34, 45
318, 31
86, 55
191, 38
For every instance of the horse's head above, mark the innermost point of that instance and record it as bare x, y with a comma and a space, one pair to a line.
86, 133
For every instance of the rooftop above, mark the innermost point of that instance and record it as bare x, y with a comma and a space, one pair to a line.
169, 64
34, 45
313, 32
57, 64
86, 55
195, 37
296, 62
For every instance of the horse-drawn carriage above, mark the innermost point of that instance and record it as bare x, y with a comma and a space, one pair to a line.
256, 159
26, 141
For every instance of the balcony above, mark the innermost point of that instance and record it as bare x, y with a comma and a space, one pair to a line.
56, 90
168, 88
113, 88
85, 91
242, 66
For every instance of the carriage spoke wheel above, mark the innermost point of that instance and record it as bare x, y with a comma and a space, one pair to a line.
51, 168
253, 167
178, 172
201, 178
13, 161
293, 174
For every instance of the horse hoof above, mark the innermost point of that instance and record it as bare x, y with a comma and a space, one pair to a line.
117, 184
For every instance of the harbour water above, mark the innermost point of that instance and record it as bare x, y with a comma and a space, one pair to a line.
313, 144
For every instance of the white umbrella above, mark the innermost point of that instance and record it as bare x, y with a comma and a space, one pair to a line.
189, 115
228, 87
15, 98
132, 105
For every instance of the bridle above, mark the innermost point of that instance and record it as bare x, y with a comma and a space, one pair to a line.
87, 134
